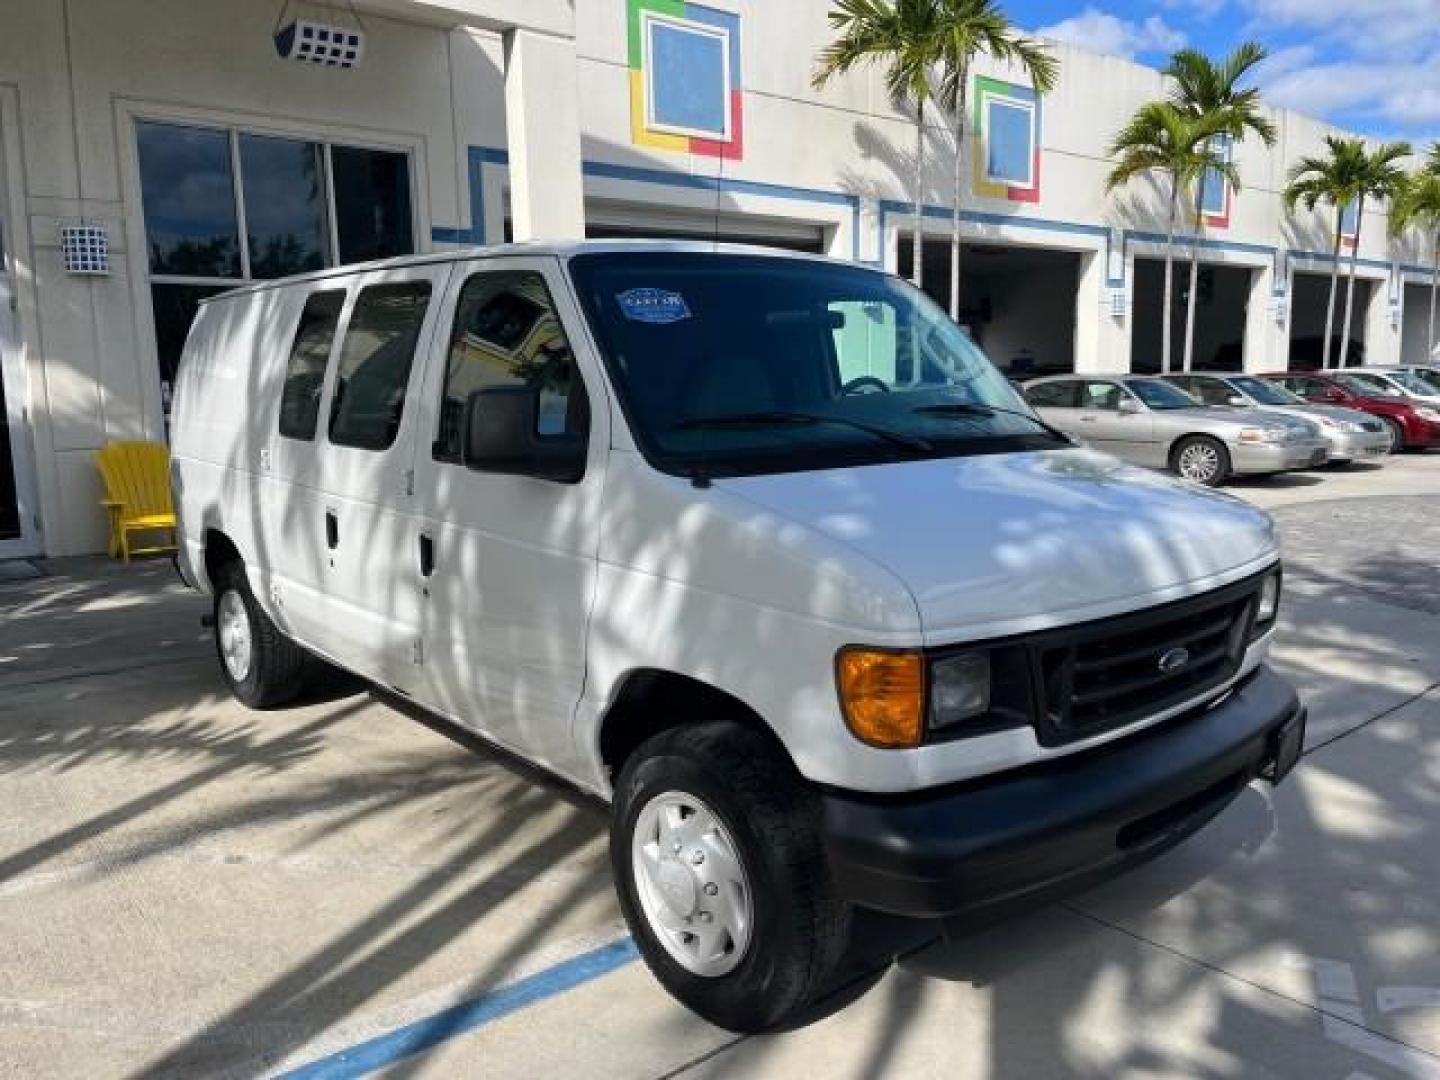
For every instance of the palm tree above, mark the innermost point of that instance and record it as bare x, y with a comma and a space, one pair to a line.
972, 28
1159, 138
1203, 89
1336, 180
907, 38
1418, 206
1382, 179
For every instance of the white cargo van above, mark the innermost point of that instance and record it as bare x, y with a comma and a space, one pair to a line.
758, 547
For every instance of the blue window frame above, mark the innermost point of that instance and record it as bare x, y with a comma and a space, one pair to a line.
688, 73
1010, 142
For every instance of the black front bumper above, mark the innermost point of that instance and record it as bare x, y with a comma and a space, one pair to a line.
1062, 823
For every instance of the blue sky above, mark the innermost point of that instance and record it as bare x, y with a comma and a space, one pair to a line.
1368, 65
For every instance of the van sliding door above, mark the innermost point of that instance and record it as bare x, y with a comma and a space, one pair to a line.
362, 520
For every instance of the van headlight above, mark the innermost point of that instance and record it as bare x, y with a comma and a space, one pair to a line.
959, 688
1267, 608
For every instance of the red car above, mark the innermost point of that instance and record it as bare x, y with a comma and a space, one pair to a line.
1412, 424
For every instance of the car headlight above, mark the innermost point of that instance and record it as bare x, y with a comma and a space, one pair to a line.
959, 688
1262, 435
1267, 607
1425, 412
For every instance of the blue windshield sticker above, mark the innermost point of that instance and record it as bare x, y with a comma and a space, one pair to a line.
653, 305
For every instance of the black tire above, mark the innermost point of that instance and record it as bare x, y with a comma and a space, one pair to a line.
1215, 477
276, 673
1397, 435
799, 927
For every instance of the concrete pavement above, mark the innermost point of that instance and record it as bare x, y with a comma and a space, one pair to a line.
191, 889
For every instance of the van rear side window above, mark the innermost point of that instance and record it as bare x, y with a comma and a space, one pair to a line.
375, 361
309, 356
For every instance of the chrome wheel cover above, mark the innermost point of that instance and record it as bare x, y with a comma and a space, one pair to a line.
232, 628
691, 884
1199, 462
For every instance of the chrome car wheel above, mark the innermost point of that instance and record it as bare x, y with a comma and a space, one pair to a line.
691, 884
233, 627
1199, 462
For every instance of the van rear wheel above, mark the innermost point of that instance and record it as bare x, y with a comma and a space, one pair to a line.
715, 846
262, 667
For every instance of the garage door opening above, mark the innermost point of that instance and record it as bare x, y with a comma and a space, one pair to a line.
1308, 299
1018, 303
1415, 332
1222, 299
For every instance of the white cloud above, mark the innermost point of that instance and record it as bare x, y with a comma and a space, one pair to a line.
1376, 28
1404, 95
1101, 32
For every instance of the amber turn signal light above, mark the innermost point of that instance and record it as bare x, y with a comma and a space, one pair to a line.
882, 695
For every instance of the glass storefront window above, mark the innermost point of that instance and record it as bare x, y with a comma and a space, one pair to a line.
194, 205
189, 199
372, 203
284, 183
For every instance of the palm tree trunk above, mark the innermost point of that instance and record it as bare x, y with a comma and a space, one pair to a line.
957, 194
1334, 281
1166, 333
917, 274
1434, 288
1343, 359
1194, 275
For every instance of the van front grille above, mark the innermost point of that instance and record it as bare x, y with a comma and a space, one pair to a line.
1101, 676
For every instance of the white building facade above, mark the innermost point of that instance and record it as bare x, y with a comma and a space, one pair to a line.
153, 152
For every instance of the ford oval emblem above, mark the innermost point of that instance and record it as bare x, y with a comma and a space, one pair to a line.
1174, 660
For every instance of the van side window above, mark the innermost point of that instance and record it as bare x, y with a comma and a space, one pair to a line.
309, 356
375, 361
507, 333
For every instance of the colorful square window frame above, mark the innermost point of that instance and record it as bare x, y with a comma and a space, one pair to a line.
1215, 209
1006, 131
686, 92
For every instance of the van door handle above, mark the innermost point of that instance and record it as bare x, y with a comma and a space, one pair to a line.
427, 555
332, 530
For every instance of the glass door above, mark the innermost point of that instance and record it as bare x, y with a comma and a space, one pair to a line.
18, 535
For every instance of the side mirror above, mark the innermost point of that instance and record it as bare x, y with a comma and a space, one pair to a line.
501, 437
1130, 406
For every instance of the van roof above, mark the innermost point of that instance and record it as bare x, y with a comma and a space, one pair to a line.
556, 249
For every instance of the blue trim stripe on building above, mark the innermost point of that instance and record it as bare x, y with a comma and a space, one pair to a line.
383, 1050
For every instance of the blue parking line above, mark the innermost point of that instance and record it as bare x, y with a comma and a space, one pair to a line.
387, 1049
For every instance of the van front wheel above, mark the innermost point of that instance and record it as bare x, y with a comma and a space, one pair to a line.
262, 666
715, 846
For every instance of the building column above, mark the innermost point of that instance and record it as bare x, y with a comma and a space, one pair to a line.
1095, 327
1263, 327
1382, 331
542, 133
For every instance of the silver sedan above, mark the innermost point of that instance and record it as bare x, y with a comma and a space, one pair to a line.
1148, 421
1352, 435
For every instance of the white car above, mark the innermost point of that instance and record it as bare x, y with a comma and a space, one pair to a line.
757, 547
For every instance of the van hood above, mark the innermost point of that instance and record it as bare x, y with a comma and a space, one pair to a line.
1012, 543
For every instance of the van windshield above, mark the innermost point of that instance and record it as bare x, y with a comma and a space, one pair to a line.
741, 364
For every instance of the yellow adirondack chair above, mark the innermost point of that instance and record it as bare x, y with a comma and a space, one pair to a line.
137, 489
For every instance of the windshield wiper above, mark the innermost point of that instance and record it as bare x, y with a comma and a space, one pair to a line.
970, 408
779, 418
